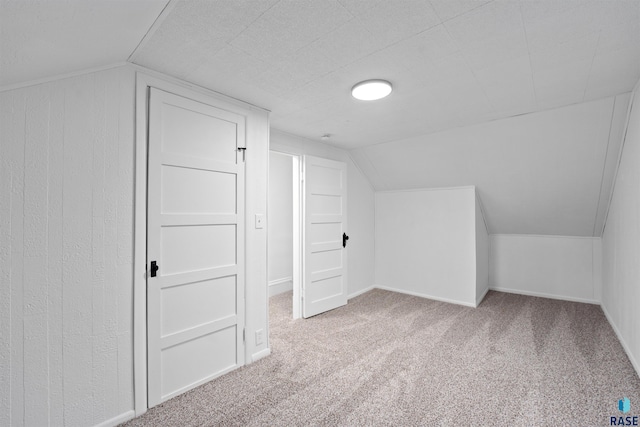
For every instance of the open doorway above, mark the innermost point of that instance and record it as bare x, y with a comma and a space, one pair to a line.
307, 210
284, 229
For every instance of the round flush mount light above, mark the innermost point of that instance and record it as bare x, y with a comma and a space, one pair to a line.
370, 90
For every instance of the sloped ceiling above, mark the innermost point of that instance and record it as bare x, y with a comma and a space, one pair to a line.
517, 97
44, 38
542, 173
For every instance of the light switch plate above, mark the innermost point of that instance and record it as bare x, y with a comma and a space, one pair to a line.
259, 220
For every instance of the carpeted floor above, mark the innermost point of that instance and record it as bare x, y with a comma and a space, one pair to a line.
397, 360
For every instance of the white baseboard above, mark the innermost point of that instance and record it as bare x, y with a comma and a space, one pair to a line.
280, 286
112, 422
360, 292
421, 295
479, 299
544, 295
259, 355
627, 350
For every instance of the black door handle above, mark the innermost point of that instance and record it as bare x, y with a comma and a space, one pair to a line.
344, 240
154, 268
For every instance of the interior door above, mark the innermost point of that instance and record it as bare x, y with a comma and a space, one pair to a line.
324, 263
195, 244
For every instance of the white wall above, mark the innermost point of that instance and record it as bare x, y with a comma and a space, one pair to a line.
66, 233
482, 252
360, 207
621, 250
280, 223
425, 243
548, 266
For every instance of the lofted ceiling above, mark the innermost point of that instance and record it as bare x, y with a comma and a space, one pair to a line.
517, 97
545, 173
44, 38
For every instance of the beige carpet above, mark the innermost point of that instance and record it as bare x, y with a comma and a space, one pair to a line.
397, 360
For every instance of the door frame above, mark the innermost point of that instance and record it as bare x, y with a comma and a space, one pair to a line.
297, 219
143, 81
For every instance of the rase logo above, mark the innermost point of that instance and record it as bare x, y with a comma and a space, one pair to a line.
624, 406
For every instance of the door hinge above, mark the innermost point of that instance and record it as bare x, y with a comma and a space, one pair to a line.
243, 149
244, 335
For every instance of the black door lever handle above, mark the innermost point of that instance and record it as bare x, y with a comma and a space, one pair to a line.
344, 240
154, 268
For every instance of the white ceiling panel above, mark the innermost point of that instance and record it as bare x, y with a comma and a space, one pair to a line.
358, 7
488, 53
570, 51
561, 84
447, 70
289, 26
195, 31
426, 47
44, 38
393, 20
566, 20
347, 43
516, 71
448, 9
605, 79
228, 63
495, 20
513, 96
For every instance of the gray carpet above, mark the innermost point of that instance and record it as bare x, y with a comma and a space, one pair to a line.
397, 360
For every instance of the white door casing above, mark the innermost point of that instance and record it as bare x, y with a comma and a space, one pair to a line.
324, 262
195, 233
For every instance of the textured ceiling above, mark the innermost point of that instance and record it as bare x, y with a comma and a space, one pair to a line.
453, 63
43, 38
547, 173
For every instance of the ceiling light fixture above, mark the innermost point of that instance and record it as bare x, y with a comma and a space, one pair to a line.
371, 90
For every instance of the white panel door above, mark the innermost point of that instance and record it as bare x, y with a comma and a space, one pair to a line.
324, 263
195, 237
